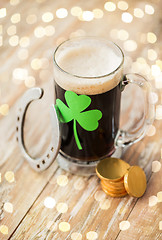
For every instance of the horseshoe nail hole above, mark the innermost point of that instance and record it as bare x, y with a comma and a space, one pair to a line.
43, 162
20, 109
52, 149
48, 155
17, 139
38, 166
17, 128
18, 118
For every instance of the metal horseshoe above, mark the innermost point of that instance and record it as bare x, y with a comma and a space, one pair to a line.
41, 163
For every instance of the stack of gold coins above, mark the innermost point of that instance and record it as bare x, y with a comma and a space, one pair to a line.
118, 178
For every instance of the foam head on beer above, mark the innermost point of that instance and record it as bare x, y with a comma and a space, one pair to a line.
88, 66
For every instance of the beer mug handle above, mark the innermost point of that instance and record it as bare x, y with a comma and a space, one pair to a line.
126, 138
42, 163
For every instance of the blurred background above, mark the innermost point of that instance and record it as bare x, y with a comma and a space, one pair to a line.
29, 33
31, 30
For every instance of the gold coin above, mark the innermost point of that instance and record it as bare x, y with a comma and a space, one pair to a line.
135, 181
112, 169
114, 191
112, 188
116, 185
115, 194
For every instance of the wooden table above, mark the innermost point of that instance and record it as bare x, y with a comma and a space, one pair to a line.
76, 201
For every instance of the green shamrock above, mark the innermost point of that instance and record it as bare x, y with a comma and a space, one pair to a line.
76, 105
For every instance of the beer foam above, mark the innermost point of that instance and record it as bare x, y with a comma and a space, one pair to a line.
92, 66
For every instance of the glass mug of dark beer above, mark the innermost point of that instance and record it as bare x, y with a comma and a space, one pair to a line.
88, 81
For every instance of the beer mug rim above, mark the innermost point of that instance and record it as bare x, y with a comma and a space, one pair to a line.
82, 38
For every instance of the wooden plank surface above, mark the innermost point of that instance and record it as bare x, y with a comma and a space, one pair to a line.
86, 208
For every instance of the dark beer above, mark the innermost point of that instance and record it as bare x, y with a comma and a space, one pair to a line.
100, 142
93, 68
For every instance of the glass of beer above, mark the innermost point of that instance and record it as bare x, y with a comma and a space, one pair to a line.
88, 81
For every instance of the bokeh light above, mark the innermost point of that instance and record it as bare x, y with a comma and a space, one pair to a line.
151, 131
49, 202
99, 195
98, 13
49, 30
153, 98
91, 235
130, 45
10, 176
61, 13
62, 207
8, 207
149, 9
158, 81
64, 226
159, 196
127, 17
140, 66
76, 236
151, 54
76, 11
151, 37
122, 5
14, 2
24, 42
138, 13
16, 18
110, 6
3, 12
30, 81
153, 201
124, 225
14, 40
156, 166
155, 70
123, 35
11, 30
20, 73
39, 32
158, 112
47, 17
62, 180
4, 229
87, 16
105, 204
159, 63
4, 109
36, 64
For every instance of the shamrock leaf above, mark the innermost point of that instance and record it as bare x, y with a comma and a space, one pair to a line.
83, 101
89, 119
63, 112
76, 104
